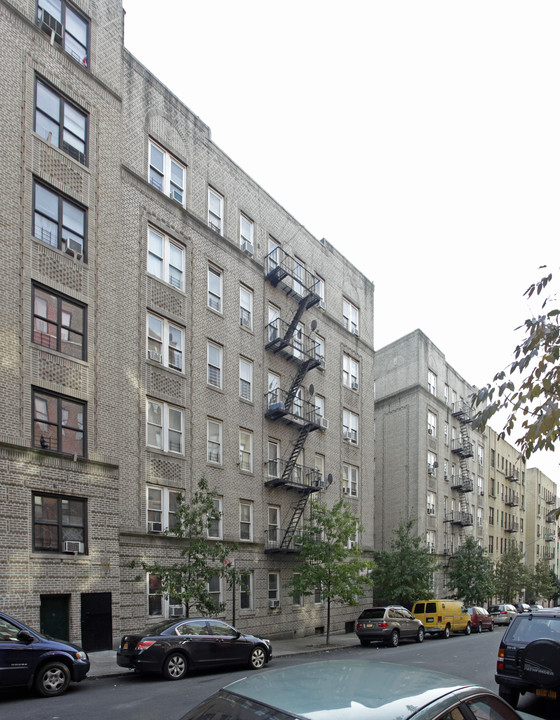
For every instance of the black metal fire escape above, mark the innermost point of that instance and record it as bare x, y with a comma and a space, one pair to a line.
463, 449
288, 340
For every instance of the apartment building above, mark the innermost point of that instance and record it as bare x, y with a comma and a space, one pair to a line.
430, 465
542, 522
164, 319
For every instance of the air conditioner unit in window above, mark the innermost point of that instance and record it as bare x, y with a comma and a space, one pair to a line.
347, 435
247, 247
176, 611
73, 245
322, 305
274, 603
153, 355
177, 196
71, 546
355, 386
154, 527
345, 491
324, 423
356, 331
322, 364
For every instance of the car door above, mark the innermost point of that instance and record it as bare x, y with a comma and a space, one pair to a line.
197, 640
229, 646
17, 658
408, 623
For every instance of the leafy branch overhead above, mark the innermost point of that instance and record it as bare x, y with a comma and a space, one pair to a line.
529, 388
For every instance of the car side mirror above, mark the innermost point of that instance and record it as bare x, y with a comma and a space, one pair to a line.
24, 637
237, 634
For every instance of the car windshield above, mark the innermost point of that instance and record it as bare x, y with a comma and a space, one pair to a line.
373, 614
494, 608
534, 628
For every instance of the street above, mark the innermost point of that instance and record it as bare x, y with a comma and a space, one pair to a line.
145, 697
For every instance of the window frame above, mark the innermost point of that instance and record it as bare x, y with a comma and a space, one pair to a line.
165, 342
61, 424
273, 586
246, 304
217, 518
168, 185
211, 367
246, 590
350, 426
245, 379
350, 372
246, 240
59, 122
64, 239
350, 479
219, 302
168, 245
59, 522
218, 443
61, 329
165, 512
215, 195
350, 316
245, 455
244, 522
60, 35
166, 429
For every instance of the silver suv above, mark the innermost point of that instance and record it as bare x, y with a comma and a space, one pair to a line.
388, 624
502, 614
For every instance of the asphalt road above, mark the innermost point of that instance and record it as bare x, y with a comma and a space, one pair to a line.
140, 697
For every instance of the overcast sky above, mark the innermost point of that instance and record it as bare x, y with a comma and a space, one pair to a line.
420, 137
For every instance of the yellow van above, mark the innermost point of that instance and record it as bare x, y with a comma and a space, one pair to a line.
443, 617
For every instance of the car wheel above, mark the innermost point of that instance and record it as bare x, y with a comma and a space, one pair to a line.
52, 679
479, 627
394, 639
491, 627
446, 634
175, 666
468, 629
510, 695
420, 635
364, 642
257, 659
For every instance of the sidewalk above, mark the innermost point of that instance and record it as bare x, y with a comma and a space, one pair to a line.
104, 662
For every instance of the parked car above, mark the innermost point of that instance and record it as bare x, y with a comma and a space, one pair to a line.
29, 658
523, 607
529, 656
390, 624
502, 614
536, 607
480, 619
174, 646
353, 690
442, 617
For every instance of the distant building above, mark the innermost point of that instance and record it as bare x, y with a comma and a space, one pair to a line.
163, 319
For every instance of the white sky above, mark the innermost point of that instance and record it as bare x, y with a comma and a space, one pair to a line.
420, 137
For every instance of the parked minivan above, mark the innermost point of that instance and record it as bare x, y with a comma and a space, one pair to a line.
442, 617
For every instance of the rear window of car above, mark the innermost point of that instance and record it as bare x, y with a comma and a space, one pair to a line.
431, 607
494, 608
419, 608
533, 628
372, 614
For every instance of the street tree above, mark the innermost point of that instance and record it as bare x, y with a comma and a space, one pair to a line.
186, 580
539, 583
471, 574
528, 389
330, 560
404, 573
510, 575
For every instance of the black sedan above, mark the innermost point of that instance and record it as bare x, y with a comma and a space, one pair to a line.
28, 658
354, 690
172, 647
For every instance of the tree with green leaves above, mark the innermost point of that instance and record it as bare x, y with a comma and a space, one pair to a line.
539, 582
471, 574
528, 389
510, 575
404, 573
330, 560
186, 580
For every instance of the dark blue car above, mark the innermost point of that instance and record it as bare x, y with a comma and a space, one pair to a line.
33, 660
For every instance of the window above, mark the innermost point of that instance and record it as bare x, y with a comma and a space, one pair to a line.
479, 517
318, 595
164, 426
59, 524
350, 427
161, 508
480, 455
431, 540
166, 259
273, 327
273, 524
167, 174
215, 590
432, 464
320, 291
350, 476
246, 307
320, 468
491, 544
298, 344
490, 516
351, 317
66, 27
246, 450
58, 423
480, 485
245, 379
215, 211
246, 232
432, 383
319, 409
59, 222
60, 122
297, 599
165, 342
432, 424
274, 251
214, 441
446, 434
350, 372
446, 394
215, 358
273, 469
431, 503
320, 351
215, 528
246, 589
58, 323
273, 588
215, 288
298, 470
273, 389
245, 520
299, 278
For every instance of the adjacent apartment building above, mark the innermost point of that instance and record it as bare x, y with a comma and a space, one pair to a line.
163, 320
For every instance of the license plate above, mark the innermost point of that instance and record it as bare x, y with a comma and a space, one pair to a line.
125, 646
541, 692
429, 620
370, 625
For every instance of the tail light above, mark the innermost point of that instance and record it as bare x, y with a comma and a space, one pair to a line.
503, 612
439, 618
382, 625
358, 626
501, 655
145, 644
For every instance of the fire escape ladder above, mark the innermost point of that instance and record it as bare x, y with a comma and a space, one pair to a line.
296, 383
296, 449
294, 520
